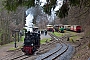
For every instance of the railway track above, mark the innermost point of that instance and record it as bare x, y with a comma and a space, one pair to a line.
49, 44
57, 49
61, 50
22, 57
18, 55
53, 54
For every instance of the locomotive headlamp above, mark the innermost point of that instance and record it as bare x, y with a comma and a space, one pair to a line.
32, 44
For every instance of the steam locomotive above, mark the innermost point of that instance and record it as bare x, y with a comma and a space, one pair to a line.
31, 42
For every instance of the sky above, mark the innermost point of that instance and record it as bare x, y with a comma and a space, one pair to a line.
43, 2
59, 4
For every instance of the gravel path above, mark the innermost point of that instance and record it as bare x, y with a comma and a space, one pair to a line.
5, 48
45, 36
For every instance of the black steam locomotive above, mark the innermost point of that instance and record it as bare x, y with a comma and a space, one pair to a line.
31, 42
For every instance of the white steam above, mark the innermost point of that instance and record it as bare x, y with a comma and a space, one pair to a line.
29, 24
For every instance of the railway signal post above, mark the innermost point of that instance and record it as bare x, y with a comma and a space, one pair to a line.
15, 38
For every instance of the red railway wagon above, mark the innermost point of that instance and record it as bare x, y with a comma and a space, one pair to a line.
50, 28
75, 28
